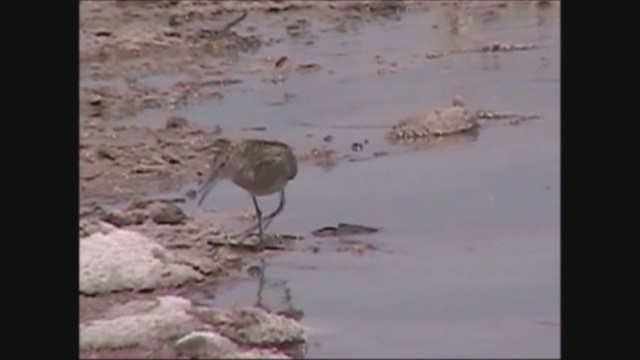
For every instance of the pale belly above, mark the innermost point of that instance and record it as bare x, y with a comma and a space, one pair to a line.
262, 188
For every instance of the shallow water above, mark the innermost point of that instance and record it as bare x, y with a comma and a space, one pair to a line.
472, 229
470, 234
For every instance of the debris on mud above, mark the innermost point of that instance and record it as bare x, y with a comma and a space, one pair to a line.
167, 318
282, 66
186, 31
124, 260
253, 326
139, 159
448, 121
492, 47
171, 326
124, 100
252, 241
211, 345
321, 156
441, 122
121, 218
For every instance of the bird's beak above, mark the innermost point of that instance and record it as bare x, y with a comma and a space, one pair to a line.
205, 189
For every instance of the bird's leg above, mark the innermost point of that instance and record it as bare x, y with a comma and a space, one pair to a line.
266, 221
269, 218
259, 215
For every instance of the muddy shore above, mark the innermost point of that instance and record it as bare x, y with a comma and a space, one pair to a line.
143, 253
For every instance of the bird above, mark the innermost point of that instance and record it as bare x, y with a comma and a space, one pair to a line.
260, 167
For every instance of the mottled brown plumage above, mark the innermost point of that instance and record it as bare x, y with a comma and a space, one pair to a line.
260, 167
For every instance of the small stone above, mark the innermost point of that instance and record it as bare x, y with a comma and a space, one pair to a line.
168, 214
258, 327
171, 158
105, 153
205, 345
174, 21
281, 61
168, 319
254, 271
176, 122
103, 33
121, 219
172, 34
95, 100
147, 169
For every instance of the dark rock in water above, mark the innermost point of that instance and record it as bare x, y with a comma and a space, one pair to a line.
352, 229
176, 122
328, 231
281, 61
343, 229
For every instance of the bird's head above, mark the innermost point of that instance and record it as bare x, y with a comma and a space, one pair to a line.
220, 151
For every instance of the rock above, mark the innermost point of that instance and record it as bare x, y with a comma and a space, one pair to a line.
95, 100
281, 61
168, 214
90, 227
202, 344
105, 153
251, 241
126, 260
103, 33
130, 308
146, 169
171, 158
121, 219
253, 326
258, 354
166, 320
176, 122
344, 229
